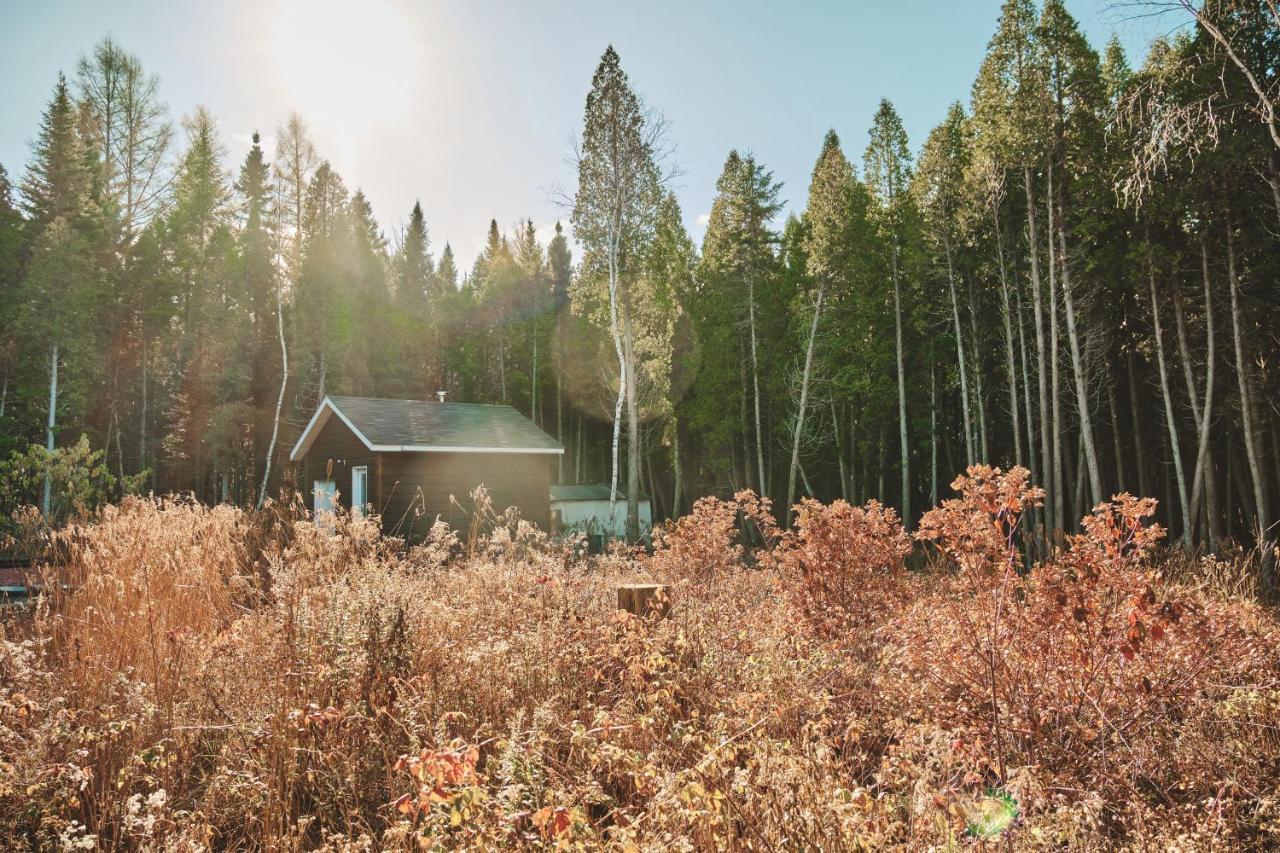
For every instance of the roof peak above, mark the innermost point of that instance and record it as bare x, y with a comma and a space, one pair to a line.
407, 400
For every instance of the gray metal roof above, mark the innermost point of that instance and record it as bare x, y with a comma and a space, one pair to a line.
424, 426
587, 492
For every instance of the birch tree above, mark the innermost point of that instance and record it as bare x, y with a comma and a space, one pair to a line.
614, 212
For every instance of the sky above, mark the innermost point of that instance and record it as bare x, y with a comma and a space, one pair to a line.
471, 106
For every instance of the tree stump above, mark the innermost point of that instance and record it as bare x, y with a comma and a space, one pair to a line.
643, 599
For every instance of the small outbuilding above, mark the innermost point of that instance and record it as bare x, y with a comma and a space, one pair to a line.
585, 508
411, 461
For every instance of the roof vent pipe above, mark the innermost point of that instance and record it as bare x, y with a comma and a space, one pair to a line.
439, 396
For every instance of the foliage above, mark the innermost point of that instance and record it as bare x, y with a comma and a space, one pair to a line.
216, 677
80, 479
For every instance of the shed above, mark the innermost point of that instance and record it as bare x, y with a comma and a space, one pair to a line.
584, 508
409, 460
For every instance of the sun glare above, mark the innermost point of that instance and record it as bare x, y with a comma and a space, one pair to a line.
347, 63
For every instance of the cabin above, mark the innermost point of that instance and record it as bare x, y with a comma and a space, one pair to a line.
411, 461
585, 508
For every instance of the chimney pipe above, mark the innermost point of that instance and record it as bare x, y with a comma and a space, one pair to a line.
439, 396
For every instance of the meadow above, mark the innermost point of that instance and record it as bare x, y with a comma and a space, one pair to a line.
213, 677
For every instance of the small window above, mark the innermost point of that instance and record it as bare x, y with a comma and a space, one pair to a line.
360, 489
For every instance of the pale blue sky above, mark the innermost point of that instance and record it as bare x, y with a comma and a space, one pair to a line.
470, 106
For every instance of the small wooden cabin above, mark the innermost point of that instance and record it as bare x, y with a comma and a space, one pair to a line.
410, 460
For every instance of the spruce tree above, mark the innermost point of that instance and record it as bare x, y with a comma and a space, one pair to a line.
888, 176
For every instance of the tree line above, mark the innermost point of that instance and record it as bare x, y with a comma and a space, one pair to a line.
1074, 272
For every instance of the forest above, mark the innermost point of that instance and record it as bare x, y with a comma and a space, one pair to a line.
1073, 272
1066, 293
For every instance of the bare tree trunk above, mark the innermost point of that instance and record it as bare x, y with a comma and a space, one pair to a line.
284, 381
1078, 368
51, 424
622, 370
902, 396
559, 415
1262, 523
1204, 473
933, 437
808, 489
1027, 409
1041, 361
633, 430
755, 383
960, 360
835, 431
742, 411
1139, 446
1170, 421
979, 395
1059, 475
577, 447
677, 473
1114, 411
1006, 312
142, 411
804, 399
853, 458
1080, 477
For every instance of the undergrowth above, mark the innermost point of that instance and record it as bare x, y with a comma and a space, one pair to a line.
202, 677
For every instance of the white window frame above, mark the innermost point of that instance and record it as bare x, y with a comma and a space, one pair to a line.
360, 494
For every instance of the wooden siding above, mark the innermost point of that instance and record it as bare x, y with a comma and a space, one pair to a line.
411, 489
339, 445
416, 488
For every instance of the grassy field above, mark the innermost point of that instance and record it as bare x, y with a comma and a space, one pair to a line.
211, 677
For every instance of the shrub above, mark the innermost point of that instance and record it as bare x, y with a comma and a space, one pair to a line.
210, 677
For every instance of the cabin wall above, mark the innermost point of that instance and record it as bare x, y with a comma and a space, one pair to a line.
415, 488
336, 443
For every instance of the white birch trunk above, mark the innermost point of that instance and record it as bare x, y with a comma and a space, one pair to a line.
1041, 364
902, 396
1078, 368
755, 383
51, 424
1204, 468
933, 438
1170, 422
960, 360
284, 381
1059, 474
1246, 403
804, 399
1006, 312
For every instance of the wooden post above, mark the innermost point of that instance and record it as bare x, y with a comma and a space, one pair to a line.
643, 599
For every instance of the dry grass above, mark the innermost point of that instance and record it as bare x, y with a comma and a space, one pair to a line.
215, 678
